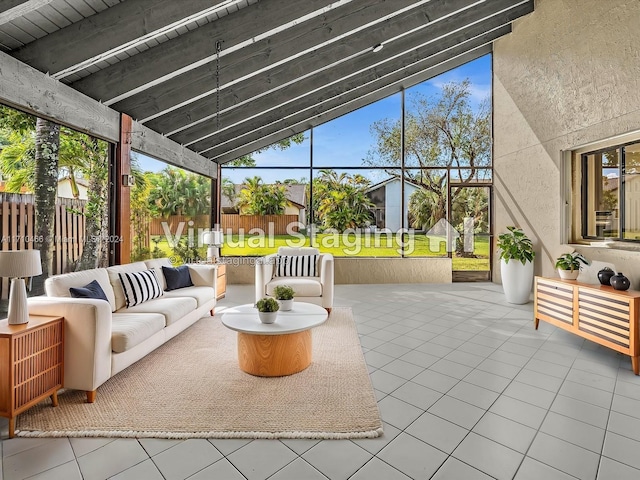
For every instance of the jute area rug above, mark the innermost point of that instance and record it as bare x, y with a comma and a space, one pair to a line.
192, 387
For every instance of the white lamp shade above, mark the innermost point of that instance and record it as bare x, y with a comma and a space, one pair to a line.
20, 263
212, 237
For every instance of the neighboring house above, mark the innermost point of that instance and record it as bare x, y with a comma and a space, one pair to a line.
296, 195
65, 190
388, 205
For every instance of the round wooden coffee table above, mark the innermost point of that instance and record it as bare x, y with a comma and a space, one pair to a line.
276, 349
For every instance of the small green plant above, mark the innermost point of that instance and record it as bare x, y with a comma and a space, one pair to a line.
267, 304
571, 261
283, 292
515, 245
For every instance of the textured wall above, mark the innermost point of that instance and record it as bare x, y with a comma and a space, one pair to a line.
568, 75
367, 270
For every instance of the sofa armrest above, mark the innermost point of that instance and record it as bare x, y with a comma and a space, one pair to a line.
87, 338
264, 273
203, 275
326, 279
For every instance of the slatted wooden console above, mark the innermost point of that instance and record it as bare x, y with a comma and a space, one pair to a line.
596, 312
31, 364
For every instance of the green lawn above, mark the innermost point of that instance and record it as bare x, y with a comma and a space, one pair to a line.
350, 245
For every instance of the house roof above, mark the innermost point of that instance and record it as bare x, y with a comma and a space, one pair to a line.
225, 78
389, 180
296, 194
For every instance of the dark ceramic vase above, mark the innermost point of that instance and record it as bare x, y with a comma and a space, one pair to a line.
604, 276
619, 281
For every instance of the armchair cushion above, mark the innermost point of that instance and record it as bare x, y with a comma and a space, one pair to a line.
302, 286
296, 266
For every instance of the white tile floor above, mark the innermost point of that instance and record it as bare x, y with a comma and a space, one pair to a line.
467, 390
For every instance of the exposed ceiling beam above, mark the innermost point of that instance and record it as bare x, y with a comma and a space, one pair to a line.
357, 68
111, 31
336, 34
12, 9
306, 120
193, 49
307, 112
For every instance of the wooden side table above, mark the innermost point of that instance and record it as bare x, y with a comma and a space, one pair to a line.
221, 281
31, 364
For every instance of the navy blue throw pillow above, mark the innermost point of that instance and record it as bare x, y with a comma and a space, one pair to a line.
92, 290
177, 277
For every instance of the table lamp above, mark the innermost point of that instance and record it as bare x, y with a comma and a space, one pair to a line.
17, 264
212, 238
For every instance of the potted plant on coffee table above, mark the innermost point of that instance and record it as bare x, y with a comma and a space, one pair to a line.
569, 265
284, 295
267, 309
516, 265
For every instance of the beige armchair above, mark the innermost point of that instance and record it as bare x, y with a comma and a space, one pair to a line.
313, 287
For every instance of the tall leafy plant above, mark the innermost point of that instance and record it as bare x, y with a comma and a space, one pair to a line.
515, 245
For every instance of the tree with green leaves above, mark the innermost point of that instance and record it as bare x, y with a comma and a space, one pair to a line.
440, 131
340, 200
35, 153
259, 198
177, 192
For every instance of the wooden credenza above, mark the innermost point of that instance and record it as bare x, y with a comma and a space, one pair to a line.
31, 364
596, 312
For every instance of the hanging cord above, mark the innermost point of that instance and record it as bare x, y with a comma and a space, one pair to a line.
218, 49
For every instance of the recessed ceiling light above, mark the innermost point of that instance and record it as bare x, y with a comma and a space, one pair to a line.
377, 47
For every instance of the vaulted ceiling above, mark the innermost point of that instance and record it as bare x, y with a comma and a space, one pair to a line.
224, 78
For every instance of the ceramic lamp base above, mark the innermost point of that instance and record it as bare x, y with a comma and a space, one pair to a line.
18, 312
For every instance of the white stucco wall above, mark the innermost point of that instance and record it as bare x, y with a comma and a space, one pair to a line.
567, 76
393, 205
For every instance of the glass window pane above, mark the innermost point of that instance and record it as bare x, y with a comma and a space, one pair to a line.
632, 192
369, 136
170, 208
290, 152
259, 212
602, 194
470, 218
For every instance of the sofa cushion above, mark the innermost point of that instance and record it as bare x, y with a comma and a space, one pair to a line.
157, 264
176, 278
173, 309
140, 287
131, 329
90, 290
113, 272
201, 294
59, 285
296, 266
303, 286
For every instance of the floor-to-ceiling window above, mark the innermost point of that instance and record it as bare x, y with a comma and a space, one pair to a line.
409, 175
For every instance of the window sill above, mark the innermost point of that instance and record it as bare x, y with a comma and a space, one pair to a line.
613, 245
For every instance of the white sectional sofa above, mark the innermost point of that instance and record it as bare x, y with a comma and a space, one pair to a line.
102, 338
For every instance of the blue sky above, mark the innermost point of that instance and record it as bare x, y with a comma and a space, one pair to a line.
347, 139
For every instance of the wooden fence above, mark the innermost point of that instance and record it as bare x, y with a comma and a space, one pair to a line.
17, 227
276, 224
199, 221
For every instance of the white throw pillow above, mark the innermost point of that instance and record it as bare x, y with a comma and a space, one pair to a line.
296, 266
140, 286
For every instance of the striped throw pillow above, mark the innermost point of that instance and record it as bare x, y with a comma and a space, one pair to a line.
296, 266
140, 286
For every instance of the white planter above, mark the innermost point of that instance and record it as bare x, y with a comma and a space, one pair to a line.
286, 305
568, 274
517, 280
267, 317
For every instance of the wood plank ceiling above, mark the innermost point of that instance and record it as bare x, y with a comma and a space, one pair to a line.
283, 65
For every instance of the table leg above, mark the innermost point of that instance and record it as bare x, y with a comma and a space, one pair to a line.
635, 365
54, 398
